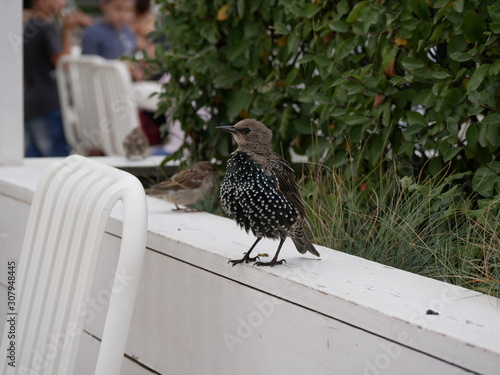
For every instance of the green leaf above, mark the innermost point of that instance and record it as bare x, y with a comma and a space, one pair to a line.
478, 77
454, 17
397, 80
485, 179
238, 48
311, 10
482, 134
306, 58
416, 118
474, 96
493, 118
494, 12
437, 34
456, 43
307, 95
414, 129
451, 153
458, 5
355, 133
352, 118
441, 3
440, 75
473, 27
322, 60
238, 101
339, 26
411, 63
225, 80
405, 147
290, 77
452, 126
337, 112
303, 126
420, 8
240, 5
489, 129
495, 68
475, 110
492, 134
281, 29
471, 135
460, 56
347, 46
342, 7
356, 10
495, 27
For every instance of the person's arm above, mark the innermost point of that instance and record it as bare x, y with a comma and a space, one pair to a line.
77, 18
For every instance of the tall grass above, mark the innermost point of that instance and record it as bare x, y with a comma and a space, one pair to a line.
428, 228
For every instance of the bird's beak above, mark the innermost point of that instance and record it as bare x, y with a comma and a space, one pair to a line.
229, 129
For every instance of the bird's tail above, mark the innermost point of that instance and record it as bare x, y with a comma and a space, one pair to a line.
303, 244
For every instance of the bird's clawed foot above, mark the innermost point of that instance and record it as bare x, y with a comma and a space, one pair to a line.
245, 259
269, 264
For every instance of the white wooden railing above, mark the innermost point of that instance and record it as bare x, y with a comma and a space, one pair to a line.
195, 314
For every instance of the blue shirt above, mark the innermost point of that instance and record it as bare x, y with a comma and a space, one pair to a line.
104, 40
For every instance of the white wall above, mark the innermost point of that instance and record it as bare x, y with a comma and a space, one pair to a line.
11, 89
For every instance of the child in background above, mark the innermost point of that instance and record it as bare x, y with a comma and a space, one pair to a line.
112, 37
43, 47
143, 25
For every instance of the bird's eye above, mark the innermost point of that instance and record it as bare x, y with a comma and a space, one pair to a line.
245, 131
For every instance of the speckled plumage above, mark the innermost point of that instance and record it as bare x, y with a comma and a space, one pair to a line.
188, 186
260, 193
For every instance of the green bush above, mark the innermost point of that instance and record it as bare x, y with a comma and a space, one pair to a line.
345, 82
424, 227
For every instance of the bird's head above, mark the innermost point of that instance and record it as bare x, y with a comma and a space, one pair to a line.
251, 136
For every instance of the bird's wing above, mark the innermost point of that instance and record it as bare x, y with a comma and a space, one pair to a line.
285, 181
186, 179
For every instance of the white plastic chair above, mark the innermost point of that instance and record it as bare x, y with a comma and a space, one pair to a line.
116, 106
75, 80
97, 103
61, 247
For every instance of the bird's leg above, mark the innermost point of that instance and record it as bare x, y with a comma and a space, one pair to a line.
247, 258
274, 261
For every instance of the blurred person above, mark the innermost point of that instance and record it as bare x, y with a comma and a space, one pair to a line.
143, 25
43, 47
112, 36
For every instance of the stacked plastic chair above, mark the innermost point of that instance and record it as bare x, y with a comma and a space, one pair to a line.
97, 104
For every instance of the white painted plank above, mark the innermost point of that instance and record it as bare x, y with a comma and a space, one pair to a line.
191, 321
20, 182
13, 220
89, 348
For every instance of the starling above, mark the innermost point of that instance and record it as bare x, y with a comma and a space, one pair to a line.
136, 144
188, 186
260, 193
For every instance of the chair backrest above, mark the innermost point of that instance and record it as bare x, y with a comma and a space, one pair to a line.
58, 261
115, 103
81, 119
97, 103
